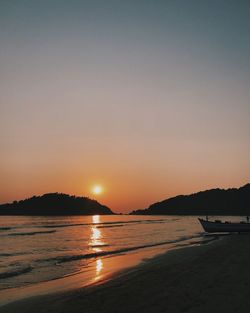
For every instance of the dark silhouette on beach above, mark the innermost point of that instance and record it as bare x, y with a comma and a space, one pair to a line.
210, 202
54, 204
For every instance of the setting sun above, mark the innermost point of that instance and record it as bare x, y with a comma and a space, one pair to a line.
97, 190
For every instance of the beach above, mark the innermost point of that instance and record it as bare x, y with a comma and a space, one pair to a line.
209, 278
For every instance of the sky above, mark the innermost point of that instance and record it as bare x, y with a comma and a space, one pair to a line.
148, 99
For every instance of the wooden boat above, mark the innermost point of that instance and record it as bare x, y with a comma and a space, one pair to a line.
218, 226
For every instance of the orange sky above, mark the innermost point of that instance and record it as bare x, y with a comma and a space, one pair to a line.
149, 101
130, 181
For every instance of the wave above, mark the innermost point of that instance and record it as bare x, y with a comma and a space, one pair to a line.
32, 233
69, 258
5, 228
12, 254
202, 241
5, 254
105, 223
99, 225
17, 272
64, 225
102, 224
109, 226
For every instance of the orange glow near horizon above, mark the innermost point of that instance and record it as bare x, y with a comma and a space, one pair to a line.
123, 196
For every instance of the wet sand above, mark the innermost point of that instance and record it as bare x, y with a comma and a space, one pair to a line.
209, 278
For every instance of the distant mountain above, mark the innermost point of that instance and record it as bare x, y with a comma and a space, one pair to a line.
54, 204
210, 202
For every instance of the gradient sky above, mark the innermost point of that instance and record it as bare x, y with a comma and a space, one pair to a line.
150, 99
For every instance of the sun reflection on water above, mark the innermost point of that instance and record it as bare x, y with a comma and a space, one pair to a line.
96, 219
99, 266
96, 242
96, 234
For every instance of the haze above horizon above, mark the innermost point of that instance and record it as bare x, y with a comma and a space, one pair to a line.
145, 100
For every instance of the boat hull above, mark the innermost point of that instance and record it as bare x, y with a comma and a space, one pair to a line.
224, 227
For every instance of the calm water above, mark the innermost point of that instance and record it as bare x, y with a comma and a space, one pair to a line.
35, 249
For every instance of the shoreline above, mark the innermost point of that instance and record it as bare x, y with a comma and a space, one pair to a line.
100, 270
189, 279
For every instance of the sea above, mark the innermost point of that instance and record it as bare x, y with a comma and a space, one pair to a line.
40, 249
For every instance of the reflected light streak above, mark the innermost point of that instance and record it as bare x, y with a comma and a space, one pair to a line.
96, 234
96, 219
99, 266
96, 243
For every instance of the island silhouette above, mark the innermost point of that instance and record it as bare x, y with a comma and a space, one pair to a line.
55, 204
209, 202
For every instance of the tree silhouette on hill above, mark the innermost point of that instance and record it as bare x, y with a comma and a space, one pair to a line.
210, 202
54, 204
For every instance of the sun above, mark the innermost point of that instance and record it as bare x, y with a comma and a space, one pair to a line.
97, 189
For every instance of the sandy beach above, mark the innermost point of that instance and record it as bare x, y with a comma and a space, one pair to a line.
209, 278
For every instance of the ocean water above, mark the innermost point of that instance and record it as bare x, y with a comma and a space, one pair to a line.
37, 249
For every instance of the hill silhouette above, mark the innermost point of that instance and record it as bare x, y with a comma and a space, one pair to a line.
210, 202
54, 204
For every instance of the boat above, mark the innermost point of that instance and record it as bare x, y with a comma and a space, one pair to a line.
218, 226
